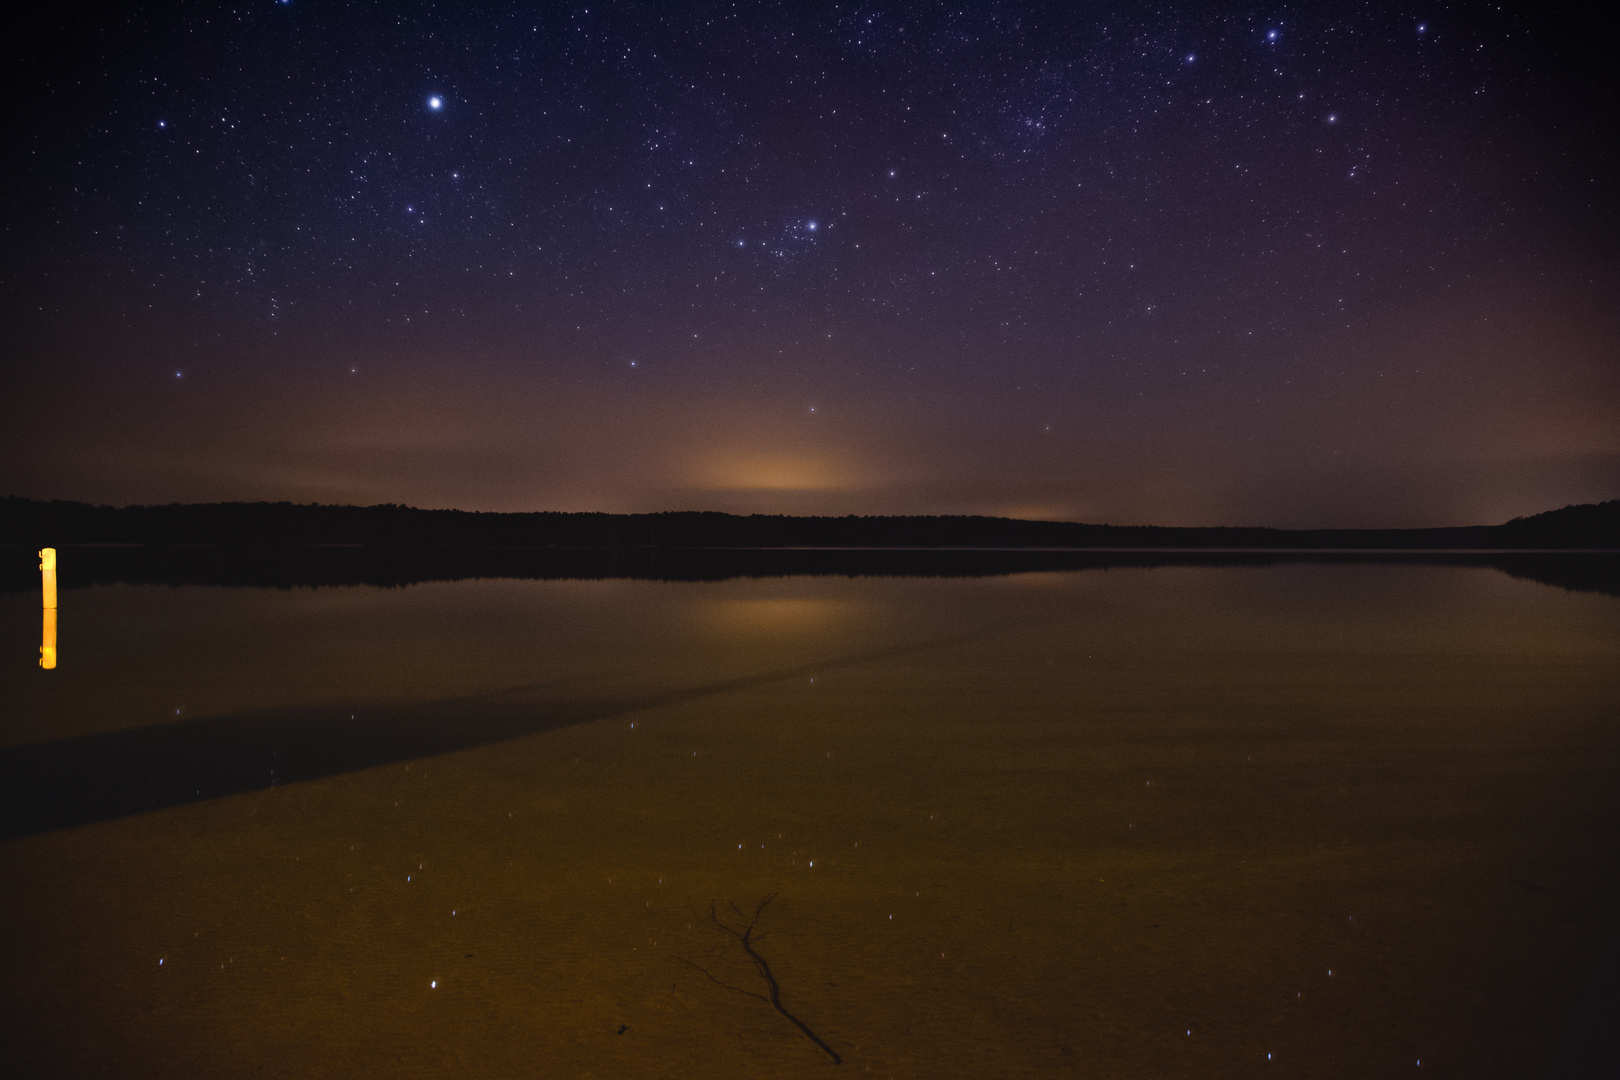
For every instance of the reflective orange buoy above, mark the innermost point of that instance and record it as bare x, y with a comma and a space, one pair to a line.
47, 578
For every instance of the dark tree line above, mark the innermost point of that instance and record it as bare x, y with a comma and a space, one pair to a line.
30, 522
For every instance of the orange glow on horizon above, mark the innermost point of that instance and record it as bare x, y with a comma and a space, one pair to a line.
784, 472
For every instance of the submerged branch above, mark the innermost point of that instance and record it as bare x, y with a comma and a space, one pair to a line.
747, 939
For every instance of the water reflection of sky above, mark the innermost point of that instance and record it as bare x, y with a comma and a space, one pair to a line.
1055, 822
778, 614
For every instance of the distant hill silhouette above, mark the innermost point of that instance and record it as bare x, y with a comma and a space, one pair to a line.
30, 522
281, 545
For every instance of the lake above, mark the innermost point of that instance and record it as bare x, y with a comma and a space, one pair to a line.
1313, 819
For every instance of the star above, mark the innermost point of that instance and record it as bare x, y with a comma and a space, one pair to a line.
998, 257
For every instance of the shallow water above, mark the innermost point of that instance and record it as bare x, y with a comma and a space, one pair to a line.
1304, 820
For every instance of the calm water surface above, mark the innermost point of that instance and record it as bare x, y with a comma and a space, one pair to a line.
1311, 820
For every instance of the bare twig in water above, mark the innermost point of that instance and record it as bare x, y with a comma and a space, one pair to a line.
747, 939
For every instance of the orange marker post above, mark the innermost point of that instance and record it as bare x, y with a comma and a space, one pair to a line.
47, 581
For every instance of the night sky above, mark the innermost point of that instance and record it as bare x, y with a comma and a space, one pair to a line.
1270, 264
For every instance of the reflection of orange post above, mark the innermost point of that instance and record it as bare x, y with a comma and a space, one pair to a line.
47, 641
47, 580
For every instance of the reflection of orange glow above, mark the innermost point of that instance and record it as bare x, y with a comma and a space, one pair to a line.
47, 640
777, 614
47, 574
779, 473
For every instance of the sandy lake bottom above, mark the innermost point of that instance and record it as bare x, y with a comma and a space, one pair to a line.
1309, 820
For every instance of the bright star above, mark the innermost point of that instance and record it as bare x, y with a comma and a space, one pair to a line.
435, 103
1271, 35
811, 226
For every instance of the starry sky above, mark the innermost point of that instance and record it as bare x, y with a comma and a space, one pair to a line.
1332, 264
